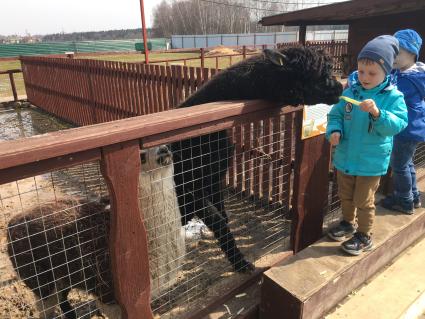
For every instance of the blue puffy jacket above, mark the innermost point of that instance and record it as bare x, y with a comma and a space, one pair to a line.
412, 84
365, 145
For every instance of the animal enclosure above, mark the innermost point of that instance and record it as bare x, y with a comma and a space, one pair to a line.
64, 192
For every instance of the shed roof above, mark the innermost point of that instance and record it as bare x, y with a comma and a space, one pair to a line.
343, 12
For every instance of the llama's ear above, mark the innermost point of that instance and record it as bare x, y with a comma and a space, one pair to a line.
275, 57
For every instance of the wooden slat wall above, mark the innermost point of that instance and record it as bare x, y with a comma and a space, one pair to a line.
88, 92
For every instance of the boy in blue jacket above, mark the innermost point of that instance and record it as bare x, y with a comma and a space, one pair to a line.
410, 80
363, 136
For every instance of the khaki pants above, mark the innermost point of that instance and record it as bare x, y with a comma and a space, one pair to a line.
357, 195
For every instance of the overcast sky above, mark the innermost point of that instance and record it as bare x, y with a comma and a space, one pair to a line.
53, 16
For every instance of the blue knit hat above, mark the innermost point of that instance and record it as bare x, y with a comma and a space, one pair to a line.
382, 50
409, 40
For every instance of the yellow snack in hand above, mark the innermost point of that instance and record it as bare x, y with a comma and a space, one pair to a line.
350, 100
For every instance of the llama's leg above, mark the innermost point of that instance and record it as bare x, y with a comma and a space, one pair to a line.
217, 199
112, 311
217, 224
65, 306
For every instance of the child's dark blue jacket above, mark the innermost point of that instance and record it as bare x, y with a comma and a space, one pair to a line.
412, 84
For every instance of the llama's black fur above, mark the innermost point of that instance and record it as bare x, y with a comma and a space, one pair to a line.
290, 76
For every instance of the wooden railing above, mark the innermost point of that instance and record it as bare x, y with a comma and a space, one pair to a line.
118, 142
12, 81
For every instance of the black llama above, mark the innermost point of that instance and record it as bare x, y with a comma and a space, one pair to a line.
291, 76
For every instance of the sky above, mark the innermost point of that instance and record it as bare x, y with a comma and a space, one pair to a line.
54, 16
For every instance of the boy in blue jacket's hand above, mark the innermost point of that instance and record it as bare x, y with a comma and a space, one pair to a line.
409, 77
363, 136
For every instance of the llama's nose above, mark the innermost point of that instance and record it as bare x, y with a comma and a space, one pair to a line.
163, 150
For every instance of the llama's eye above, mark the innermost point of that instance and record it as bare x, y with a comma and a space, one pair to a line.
143, 157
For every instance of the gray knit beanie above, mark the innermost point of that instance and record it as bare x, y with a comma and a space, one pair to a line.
383, 50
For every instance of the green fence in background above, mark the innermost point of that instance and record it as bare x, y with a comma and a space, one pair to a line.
10, 50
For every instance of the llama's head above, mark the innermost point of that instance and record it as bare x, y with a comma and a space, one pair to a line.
304, 75
155, 157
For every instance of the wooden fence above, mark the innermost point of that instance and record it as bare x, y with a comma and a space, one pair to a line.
117, 142
10, 73
88, 92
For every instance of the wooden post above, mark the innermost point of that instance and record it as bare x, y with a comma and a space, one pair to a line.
311, 187
302, 31
120, 166
12, 84
202, 58
244, 52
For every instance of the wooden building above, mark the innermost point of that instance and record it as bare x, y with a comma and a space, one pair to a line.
365, 18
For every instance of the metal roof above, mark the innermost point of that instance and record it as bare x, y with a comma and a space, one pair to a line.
343, 12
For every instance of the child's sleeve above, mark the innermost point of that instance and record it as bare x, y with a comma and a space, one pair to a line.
335, 119
393, 119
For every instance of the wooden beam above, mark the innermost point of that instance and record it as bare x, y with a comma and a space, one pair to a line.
19, 152
302, 34
309, 284
36, 168
343, 12
311, 187
120, 167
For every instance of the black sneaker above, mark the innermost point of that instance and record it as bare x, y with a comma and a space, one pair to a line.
342, 231
417, 202
357, 244
391, 203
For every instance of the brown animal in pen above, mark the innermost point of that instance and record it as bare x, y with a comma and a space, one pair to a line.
64, 245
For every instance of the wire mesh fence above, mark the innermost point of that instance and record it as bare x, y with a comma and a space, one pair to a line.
212, 206
53, 234
231, 190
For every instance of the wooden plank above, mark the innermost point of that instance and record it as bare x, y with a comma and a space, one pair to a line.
164, 97
277, 163
36, 168
238, 178
287, 160
170, 99
256, 143
267, 159
13, 86
248, 163
22, 151
128, 234
310, 195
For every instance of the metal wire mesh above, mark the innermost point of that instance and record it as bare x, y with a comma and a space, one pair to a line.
54, 234
250, 200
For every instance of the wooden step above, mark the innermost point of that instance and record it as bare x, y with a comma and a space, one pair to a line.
312, 282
